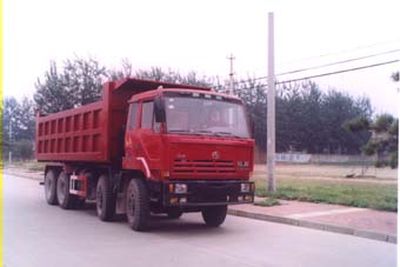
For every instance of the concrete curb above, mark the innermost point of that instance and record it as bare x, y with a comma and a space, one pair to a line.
316, 225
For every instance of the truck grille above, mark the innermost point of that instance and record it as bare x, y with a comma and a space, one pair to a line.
203, 166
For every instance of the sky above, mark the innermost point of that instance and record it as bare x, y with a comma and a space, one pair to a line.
199, 35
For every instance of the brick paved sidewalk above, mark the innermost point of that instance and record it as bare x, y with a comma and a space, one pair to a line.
378, 225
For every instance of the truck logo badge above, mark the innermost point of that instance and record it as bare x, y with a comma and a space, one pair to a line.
215, 155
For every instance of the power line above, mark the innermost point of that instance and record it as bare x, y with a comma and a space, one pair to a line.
342, 71
362, 47
339, 62
347, 50
327, 73
332, 63
323, 65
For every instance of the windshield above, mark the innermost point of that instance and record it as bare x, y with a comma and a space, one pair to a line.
203, 115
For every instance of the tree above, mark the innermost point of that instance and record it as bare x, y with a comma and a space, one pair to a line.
23, 149
125, 71
53, 95
311, 118
10, 116
191, 78
79, 83
307, 119
396, 78
384, 139
26, 120
19, 117
253, 94
158, 74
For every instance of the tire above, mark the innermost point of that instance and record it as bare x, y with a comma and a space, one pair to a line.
137, 205
50, 187
174, 214
64, 198
214, 216
105, 199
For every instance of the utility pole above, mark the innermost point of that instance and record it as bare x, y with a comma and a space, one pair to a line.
271, 107
231, 58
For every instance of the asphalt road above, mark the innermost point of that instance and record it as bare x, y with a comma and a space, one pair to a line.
36, 234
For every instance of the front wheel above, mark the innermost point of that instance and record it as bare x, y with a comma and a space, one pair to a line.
137, 205
214, 216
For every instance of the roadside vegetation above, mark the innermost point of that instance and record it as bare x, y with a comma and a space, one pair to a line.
267, 202
357, 194
29, 165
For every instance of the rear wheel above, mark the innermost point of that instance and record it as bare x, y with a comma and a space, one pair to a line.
65, 199
50, 187
105, 199
214, 216
137, 205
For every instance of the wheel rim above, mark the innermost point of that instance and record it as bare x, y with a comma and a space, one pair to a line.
130, 202
61, 188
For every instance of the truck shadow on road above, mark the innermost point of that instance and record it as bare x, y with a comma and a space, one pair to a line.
160, 223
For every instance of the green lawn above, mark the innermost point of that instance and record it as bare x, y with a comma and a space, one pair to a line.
267, 202
365, 195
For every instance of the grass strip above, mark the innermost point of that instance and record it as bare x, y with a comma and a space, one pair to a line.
267, 202
363, 195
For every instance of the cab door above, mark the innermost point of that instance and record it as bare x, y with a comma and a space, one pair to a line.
143, 140
149, 137
131, 137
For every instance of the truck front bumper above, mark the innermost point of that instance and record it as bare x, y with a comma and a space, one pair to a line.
207, 193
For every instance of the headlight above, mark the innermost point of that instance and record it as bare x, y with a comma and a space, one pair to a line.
245, 187
180, 189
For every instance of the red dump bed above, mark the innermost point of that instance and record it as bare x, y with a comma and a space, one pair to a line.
93, 132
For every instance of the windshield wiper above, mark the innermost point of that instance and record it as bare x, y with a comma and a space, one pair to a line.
183, 131
204, 131
226, 134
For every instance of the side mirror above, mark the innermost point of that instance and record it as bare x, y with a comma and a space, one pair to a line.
159, 110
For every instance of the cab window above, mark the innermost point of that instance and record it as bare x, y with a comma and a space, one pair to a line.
133, 115
147, 115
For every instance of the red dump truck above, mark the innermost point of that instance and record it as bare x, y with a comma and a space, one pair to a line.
149, 147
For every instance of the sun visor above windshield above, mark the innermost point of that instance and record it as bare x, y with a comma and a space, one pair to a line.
138, 85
